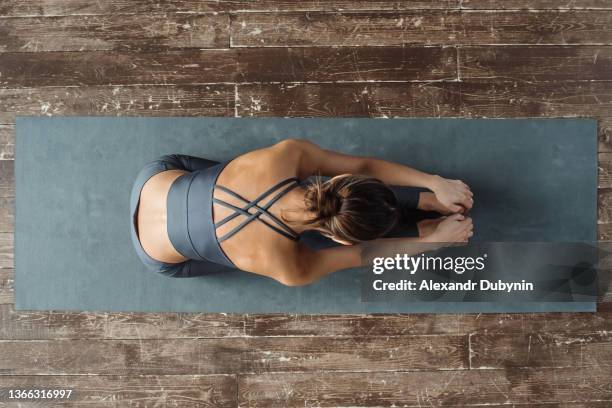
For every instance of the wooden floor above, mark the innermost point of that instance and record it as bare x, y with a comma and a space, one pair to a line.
426, 58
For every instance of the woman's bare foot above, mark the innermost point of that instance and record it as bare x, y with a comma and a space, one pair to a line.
429, 202
428, 226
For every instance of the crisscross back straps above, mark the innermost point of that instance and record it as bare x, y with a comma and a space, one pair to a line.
284, 186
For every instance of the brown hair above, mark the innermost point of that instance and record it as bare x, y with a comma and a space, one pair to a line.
350, 207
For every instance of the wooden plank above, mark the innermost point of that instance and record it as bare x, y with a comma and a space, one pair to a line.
339, 5
353, 325
231, 355
356, 353
111, 391
343, 29
7, 289
39, 325
191, 100
235, 65
420, 27
496, 99
604, 232
7, 142
345, 64
605, 134
7, 179
115, 68
80, 7
535, 4
541, 350
604, 206
605, 170
108, 32
121, 357
30, 325
6, 250
424, 389
539, 63
7, 214
348, 100
424, 324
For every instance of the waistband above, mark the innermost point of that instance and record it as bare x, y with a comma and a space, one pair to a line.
190, 216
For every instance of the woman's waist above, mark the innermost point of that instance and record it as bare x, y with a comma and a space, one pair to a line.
190, 217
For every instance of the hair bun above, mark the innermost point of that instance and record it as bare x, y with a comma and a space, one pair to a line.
329, 203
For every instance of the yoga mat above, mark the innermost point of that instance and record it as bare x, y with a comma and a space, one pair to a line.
534, 180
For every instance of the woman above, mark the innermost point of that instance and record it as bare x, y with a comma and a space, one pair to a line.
193, 216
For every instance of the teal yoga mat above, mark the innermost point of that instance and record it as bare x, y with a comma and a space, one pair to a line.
534, 180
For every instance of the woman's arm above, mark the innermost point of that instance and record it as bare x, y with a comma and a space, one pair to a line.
315, 160
311, 265
308, 265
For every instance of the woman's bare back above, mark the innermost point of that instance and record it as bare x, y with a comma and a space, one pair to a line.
255, 248
153, 215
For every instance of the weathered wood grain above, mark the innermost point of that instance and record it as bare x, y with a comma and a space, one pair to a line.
348, 100
7, 214
231, 355
424, 324
420, 27
496, 99
355, 325
338, 5
543, 63
130, 32
7, 290
235, 65
605, 170
604, 232
424, 389
40, 325
535, 4
191, 100
511, 99
111, 391
604, 126
7, 179
31, 325
121, 357
356, 353
604, 206
7, 142
115, 68
6, 250
345, 64
541, 350
80, 7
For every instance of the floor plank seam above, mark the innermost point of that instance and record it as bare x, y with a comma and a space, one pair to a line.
469, 350
236, 101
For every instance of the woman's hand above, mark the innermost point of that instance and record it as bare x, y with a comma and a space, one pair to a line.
454, 228
454, 195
